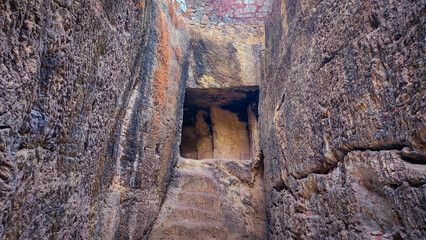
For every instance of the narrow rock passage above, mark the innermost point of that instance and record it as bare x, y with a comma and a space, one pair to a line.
213, 199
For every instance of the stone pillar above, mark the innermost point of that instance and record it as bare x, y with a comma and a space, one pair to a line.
230, 137
253, 131
189, 142
204, 136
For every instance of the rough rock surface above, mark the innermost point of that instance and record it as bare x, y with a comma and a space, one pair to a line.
213, 199
91, 93
91, 110
342, 119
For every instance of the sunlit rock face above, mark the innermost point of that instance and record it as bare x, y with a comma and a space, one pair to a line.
342, 119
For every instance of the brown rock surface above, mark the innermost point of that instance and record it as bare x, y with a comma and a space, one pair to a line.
87, 136
342, 119
212, 199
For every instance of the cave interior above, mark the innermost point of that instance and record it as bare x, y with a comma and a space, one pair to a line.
220, 123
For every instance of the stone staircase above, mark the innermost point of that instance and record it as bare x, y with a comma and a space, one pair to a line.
212, 199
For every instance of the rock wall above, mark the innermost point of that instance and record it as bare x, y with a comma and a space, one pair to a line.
342, 119
91, 93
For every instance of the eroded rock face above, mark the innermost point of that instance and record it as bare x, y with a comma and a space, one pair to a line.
213, 199
90, 104
342, 119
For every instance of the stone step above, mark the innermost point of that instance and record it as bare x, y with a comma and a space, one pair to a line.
194, 215
188, 231
202, 201
192, 182
199, 204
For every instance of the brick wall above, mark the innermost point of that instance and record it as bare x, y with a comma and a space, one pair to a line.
226, 11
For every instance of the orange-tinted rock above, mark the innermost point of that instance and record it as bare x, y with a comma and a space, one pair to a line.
88, 130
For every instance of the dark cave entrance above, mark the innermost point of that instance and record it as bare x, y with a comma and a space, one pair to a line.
220, 123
